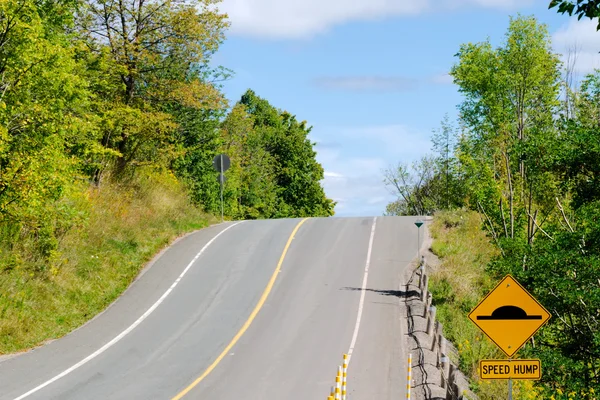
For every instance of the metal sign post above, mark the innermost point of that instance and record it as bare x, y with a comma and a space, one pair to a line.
221, 164
509, 316
418, 223
221, 179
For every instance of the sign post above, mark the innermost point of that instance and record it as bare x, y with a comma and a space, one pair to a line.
221, 164
418, 223
509, 316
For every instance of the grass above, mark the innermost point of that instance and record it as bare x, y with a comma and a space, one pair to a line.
457, 285
120, 229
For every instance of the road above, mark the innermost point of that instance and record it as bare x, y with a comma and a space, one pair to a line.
254, 310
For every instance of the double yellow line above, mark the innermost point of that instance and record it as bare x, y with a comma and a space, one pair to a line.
248, 322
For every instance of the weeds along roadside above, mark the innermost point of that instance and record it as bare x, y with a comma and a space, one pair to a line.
119, 229
457, 284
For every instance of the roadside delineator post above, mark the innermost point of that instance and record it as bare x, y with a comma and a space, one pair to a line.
425, 288
445, 361
409, 376
426, 305
443, 345
344, 375
431, 320
338, 384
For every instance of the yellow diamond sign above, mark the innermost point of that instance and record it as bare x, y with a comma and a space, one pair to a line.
509, 315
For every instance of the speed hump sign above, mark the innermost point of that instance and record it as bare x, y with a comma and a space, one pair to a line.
509, 315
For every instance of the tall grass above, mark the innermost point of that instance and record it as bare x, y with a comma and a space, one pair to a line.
114, 231
457, 285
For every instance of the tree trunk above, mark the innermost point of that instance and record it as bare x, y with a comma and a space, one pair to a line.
510, 195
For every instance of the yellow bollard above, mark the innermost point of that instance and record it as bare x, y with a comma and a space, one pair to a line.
344, 376
338, 384
409, 377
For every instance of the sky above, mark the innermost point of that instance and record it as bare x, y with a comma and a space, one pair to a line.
371, 76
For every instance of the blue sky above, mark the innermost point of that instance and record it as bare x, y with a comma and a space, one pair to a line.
370, 76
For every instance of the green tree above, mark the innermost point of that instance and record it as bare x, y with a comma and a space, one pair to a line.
420, 191
42, 118
151, 53
510, 100
298, 175
583, 8
444, 142
252, 185
532, 175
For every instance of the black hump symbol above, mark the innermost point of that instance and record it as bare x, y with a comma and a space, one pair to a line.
508, 312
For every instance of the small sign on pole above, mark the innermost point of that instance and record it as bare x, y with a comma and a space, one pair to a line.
418, 223
509, 316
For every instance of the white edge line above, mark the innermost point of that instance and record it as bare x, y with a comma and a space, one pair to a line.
362, 292
131, 327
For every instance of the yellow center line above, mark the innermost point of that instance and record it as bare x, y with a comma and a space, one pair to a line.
251, 318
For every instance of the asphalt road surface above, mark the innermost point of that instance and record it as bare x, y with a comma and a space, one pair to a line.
242, 311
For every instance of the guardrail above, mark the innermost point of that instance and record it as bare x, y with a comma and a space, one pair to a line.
437, 376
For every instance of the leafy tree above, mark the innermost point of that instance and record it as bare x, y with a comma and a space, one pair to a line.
510, 102
445, 144
153, 50
252, 187
42, 117
519, 159
578, 159
582, 8
420, 191
569, 344
297, 172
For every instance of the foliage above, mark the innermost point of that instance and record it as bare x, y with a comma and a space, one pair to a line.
583, 8
117, 228
419, 191
152, 53
297, 174
510, 101
457, 285
110, 117
529, 167
434, 183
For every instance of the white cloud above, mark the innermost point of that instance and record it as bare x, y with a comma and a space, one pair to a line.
354, 169
583, 37
293, 19
361, 83
442, 79
333, 175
